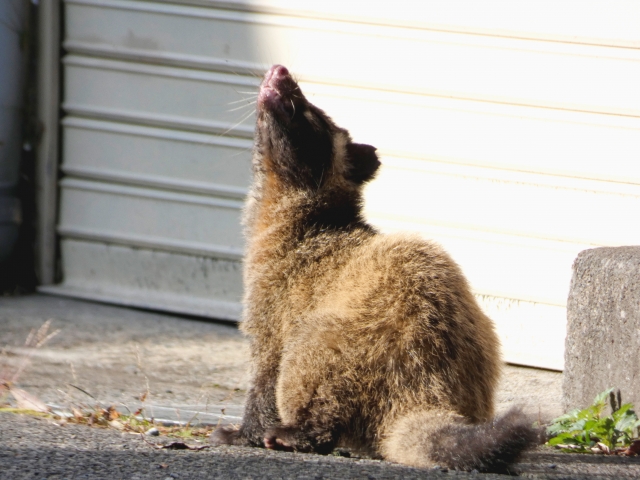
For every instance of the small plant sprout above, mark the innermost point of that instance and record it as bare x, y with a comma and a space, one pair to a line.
24, 400
590, 431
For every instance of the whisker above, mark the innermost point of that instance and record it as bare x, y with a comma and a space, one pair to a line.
294, 108
243, 151
255, 74
234, 126
319, 184
242, 106
241, 100
246, 71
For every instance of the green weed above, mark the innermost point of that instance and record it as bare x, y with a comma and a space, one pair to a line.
590, 431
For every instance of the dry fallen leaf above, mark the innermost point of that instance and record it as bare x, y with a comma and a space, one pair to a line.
631, 450
112, 413
117, 424
77, 413
568, 446
634, 448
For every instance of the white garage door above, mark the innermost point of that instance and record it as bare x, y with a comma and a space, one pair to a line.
509, 132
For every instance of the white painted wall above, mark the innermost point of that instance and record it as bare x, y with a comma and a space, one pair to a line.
508, 130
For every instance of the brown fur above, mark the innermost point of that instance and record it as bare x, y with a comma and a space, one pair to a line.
357, 339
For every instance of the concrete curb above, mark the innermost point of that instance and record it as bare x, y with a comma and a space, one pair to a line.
603, 326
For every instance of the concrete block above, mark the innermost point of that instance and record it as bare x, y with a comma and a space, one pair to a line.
602, 346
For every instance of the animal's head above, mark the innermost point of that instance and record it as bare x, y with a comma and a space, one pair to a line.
299, 145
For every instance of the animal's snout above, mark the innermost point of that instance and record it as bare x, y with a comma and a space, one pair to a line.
276, 90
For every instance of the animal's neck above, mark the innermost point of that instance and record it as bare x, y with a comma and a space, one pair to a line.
280, 220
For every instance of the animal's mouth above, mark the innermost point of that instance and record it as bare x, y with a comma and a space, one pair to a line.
279, 92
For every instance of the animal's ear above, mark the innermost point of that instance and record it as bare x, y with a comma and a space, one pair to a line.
363, 162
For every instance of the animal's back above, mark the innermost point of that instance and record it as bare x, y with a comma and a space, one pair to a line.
397, 329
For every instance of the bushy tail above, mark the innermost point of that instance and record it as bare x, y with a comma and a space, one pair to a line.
430, 438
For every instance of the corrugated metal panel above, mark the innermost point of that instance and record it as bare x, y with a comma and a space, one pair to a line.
559, 75
508, 133
173, 159
155, 216
599, 22
147, 278
157, 166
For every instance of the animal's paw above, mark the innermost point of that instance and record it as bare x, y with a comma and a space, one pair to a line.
285, 439
228, 436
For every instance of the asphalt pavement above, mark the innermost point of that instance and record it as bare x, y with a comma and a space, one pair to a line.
186, 369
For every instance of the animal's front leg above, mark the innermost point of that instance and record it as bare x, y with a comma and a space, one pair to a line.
313, 400
260, 413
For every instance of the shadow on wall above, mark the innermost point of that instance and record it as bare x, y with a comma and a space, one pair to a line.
17, 136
